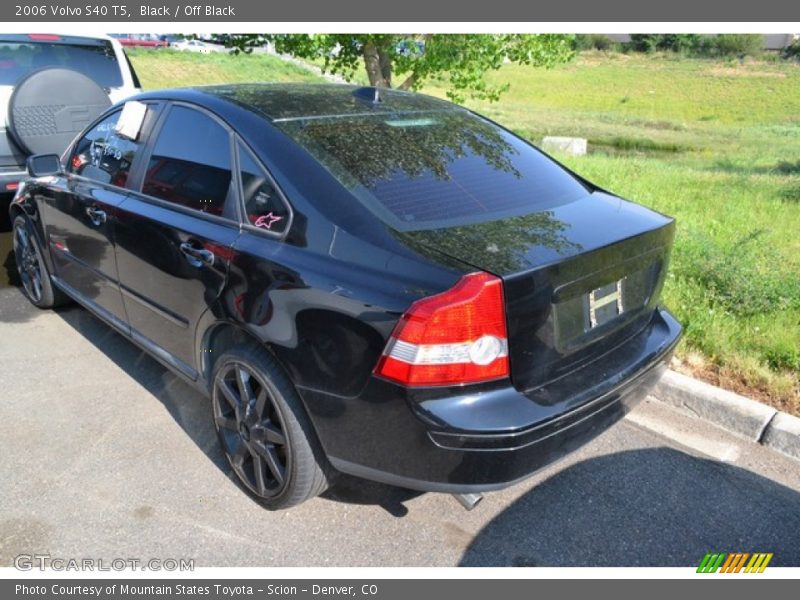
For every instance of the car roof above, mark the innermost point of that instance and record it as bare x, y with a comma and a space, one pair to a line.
300, 101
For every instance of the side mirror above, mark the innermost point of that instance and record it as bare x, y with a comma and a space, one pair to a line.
40, 165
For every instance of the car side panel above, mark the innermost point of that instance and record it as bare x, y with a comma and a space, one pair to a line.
327, 320
79, 220
165, 292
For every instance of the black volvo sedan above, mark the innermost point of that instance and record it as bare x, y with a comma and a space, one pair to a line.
364, 281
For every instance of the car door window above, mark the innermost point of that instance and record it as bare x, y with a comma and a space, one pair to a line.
191, 164
103, 155
263, 206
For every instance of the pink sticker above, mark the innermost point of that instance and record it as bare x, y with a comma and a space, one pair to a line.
267, 221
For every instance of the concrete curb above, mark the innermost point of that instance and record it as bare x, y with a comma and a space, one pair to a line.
783, 434
739, 415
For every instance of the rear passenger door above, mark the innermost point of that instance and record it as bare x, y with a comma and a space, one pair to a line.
175, 231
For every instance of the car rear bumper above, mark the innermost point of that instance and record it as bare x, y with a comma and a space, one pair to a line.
493, 438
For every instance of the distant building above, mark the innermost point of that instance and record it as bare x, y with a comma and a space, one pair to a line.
779, 41
772, 41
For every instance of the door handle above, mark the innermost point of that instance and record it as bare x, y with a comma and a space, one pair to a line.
197, 257
96, 216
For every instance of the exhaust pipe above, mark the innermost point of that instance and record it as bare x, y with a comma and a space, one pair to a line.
468, 501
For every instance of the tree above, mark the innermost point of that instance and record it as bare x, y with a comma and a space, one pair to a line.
407, 61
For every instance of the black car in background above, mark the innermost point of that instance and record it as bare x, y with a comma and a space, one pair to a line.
364, 281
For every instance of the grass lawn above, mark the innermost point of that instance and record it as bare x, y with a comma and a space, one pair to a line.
715, 144
172, 68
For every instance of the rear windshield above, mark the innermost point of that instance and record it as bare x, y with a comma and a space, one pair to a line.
434, 169
96, 61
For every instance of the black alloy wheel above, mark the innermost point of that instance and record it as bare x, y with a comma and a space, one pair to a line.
29, 262
31, 267
251, 430
264, 430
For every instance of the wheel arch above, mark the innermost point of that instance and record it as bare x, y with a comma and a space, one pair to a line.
219, 336
26, 207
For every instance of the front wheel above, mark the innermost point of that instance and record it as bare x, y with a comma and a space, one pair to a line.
264, 431
32, 269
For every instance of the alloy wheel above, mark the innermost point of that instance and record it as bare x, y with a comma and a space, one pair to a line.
251, 429
29, 264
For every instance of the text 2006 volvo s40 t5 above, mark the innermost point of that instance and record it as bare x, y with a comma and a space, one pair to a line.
364, 281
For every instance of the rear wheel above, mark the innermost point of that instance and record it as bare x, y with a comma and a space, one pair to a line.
32, 269
264, 431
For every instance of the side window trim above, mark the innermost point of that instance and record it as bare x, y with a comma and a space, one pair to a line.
245, 224
150, 147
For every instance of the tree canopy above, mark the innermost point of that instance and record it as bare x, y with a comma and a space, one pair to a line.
407, 61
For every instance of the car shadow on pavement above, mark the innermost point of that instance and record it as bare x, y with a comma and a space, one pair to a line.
191, 410
9, 277
8, 266
352, 490
15, 306
648, 507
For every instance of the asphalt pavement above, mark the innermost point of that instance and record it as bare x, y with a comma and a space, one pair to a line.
105, 454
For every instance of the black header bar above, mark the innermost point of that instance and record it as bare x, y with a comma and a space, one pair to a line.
363, 11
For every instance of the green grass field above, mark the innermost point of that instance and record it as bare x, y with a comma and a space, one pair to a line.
715, 144
170, 68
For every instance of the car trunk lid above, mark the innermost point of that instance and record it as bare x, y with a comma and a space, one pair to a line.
579, 278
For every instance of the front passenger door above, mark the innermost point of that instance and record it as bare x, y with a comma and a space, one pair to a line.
80, 214
174, 236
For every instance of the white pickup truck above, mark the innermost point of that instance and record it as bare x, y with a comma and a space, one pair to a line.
49, 112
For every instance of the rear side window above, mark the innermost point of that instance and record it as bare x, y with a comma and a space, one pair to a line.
263, 206
191, 164
103, 155
96, 61
428, 170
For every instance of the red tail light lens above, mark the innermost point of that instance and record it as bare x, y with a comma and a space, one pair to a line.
44, 37
458, 336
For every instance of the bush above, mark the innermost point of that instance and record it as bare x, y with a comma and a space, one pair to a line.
792, 51
679, 42
738, 44
595, 41
643, 42
666, 42
725, 44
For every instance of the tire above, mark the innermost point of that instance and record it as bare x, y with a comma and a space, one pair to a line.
269, 441
32, 269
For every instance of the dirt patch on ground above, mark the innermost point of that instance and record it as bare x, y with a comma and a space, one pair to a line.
745, 72
732, 381
600, 57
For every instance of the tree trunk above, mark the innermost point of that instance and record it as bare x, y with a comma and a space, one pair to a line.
378, 63
385, 61
408, 83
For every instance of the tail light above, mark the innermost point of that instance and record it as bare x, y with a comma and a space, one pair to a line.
458, 336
